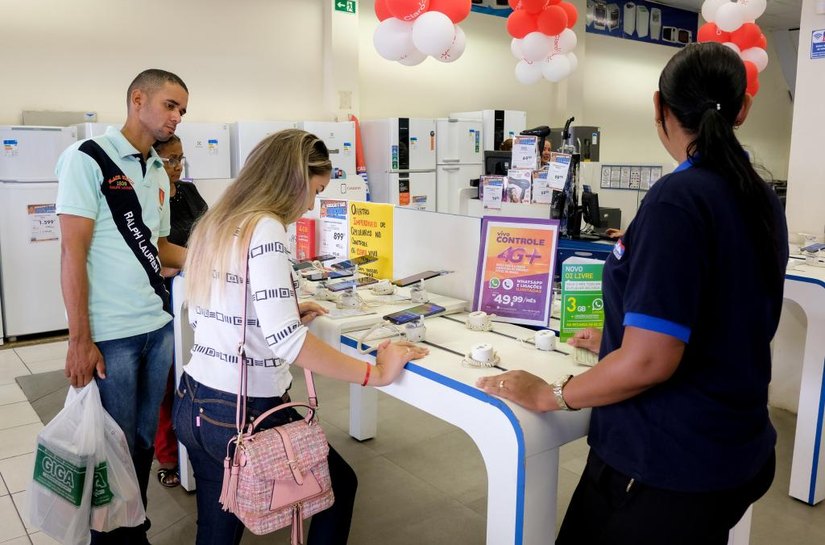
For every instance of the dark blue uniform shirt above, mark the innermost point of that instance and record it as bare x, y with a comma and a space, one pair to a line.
687, 267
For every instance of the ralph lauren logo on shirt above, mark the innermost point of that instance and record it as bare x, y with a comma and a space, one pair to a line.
119, 182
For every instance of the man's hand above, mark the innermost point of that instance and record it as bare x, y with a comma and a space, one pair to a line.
82, 361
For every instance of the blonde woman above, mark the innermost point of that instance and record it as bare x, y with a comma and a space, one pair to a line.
279, 182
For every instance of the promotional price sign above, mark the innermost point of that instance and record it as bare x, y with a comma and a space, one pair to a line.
582, 304
515, 269
370, 233
334, 228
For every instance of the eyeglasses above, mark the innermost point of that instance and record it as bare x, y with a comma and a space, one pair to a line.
173, 162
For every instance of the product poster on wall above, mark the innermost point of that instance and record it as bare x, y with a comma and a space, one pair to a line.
516, 261
642, 21
370, 233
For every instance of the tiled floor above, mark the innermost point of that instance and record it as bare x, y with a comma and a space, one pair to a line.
422, 481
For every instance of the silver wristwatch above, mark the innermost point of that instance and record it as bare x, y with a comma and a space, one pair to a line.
558, 392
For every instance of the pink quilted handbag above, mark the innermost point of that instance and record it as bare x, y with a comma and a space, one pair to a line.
279, 476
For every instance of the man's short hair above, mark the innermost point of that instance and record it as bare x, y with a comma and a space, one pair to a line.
152, 79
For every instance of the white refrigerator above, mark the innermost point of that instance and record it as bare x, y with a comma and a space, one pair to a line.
459, 159
339, 137
90, 130
245, 135
32, 301
496, 125
206, 148
400, 155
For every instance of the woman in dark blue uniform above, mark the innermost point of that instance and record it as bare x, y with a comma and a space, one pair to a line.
681, 442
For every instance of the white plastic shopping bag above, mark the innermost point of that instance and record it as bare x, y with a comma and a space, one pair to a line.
117, 502
82, 478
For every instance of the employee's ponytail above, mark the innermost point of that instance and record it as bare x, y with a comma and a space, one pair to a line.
704, 87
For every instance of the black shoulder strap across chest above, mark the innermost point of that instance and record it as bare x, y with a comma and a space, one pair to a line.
128, 217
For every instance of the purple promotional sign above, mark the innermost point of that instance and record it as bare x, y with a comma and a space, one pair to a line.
516, 261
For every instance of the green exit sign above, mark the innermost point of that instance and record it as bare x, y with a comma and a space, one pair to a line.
347, 6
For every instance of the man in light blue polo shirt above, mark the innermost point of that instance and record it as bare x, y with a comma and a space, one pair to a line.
113, 204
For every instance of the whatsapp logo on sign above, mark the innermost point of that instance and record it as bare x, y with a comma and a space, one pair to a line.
598, 304
495, 282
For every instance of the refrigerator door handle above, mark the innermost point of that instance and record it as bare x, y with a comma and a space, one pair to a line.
411, 171
450, 160
450, 169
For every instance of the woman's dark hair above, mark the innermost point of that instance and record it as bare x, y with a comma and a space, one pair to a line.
158, 145
704, 85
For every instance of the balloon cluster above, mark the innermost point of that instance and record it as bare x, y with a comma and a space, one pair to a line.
542, 39
732, 24
410, 30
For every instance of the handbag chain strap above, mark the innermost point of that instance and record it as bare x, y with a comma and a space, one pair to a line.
240, 410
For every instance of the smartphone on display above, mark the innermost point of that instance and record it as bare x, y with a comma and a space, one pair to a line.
322, 258
357, 283
410, 314
301, 265
332, 275
355, 261
426, 275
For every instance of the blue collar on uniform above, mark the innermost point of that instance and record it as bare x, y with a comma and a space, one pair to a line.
685, 165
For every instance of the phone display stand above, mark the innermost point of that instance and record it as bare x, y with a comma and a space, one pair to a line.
383, 287
415, 331
322, 293
349, 299
480, 321
418, 293
481, 356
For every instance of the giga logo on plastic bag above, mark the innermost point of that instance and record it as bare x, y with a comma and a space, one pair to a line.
59, 475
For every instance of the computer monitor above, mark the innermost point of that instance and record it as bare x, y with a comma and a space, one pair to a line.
590, 209
497, 163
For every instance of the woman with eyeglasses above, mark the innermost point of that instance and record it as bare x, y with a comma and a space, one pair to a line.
186, 207
681, 442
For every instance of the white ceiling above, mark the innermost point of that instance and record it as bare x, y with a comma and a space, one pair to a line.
780, 14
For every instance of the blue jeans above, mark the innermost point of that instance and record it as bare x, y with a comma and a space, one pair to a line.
137, 369
204, 420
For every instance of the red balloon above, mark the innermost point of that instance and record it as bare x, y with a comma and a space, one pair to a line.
572, 13
746, 36
553, 2
763, 42
533, 6
407, 10
709, 32
381, 10
456, 10
552, 20
514, 4
752, 73
520, 24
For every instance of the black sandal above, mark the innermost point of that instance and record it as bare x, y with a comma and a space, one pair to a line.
168, 477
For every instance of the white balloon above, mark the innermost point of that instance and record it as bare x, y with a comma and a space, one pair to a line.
566, 41
515, 48
574, 61
457, 47
733, 46
393, 38
709, 9
754, 8
413, 58
432, 33
757, 56
730, 16
528, 72
536, 46
556, 68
